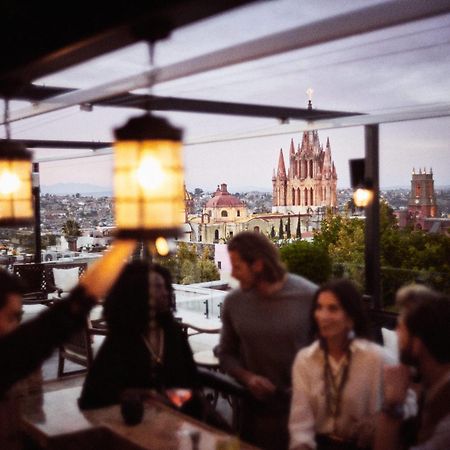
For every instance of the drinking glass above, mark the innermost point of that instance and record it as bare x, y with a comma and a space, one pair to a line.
179, 396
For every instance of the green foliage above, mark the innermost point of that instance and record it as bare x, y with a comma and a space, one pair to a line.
288, 228
48, 240
329, 229
406, 255
272, 232
71, 228
298, 232
280, 230
188, 267
307, 259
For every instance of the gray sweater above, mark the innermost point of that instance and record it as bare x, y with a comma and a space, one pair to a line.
263, 334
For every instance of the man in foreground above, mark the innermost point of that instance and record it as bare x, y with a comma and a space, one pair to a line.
424, 344
264, 324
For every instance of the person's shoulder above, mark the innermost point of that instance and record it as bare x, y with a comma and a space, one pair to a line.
370, 349
366, 345
306, 353
297, 281
233, 295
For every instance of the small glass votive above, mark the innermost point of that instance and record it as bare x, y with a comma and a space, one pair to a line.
132, 407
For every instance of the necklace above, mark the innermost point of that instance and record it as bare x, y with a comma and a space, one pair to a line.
334, 383
157, 355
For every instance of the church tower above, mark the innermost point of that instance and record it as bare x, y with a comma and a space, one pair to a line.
311, 180
422, 199
279, 182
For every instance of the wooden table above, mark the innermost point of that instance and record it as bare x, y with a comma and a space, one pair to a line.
54, 422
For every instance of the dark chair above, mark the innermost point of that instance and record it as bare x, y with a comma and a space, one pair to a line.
227, 387
78, 348
214, 382
49, 274
35, 281
39, 281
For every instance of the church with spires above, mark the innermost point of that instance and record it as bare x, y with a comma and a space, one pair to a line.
311, 179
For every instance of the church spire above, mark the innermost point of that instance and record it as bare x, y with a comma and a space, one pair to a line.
292, 149
281, 172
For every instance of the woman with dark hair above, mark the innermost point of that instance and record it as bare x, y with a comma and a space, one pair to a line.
145, 346
337, 379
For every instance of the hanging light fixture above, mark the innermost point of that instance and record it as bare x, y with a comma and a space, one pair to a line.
362, 186
148, 179
16, 203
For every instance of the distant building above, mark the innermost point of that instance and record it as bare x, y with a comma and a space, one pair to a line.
422, 210
422, 199
224, 215
311, 180
221, 217
189, 204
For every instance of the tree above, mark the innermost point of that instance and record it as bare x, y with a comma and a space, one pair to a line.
288, 227
280, 230
272, 232
298, 232
405, 255
71, 231
307, 259
329, 229
187, 267
48, 240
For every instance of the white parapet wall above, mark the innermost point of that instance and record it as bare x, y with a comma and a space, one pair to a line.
195, 297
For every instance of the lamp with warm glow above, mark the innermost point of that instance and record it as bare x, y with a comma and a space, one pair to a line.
16, 205
362, 187
148, 179
362, 197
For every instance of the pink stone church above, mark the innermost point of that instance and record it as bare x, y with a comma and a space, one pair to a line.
311, 179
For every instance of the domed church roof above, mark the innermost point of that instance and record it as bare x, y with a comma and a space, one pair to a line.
223, 199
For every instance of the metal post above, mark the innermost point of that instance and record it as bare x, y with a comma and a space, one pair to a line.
37, 214
372, 233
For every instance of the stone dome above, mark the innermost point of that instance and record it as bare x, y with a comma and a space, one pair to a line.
223, 199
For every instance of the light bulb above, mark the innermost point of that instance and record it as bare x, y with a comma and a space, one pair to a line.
150, 173
162, 246
362, 197
9, 183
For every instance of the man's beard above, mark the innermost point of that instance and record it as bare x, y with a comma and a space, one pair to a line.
407, 358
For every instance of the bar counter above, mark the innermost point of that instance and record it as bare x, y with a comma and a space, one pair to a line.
54, 421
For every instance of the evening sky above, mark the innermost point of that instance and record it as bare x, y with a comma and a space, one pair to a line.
400, 67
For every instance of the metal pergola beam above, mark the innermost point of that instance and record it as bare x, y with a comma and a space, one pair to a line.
159, 103
44, 44
42, 143
234, 109
356, 22
372, 211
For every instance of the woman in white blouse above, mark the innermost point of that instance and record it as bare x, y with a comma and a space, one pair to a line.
337, 379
